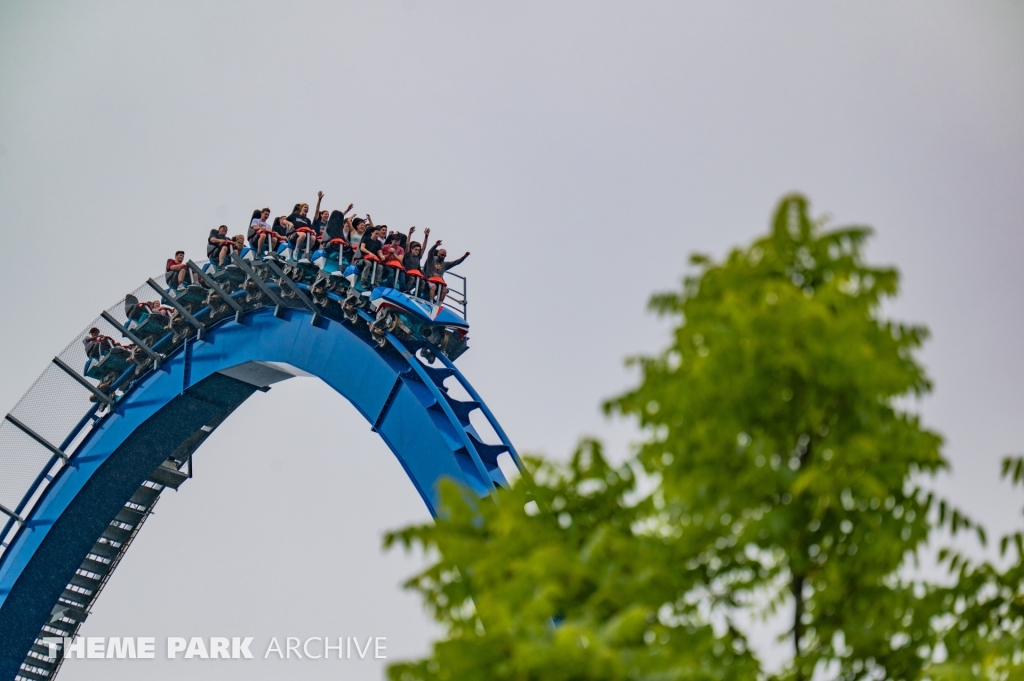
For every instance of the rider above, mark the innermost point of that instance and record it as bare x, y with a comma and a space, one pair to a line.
392, 251
355, 238
300, 240
336, 229
219, 243
321, 217
96, 344
281, 230
414, 255
259, 229
177, 274
437, 267
370, 245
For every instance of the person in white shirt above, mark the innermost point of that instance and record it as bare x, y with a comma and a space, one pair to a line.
259, 230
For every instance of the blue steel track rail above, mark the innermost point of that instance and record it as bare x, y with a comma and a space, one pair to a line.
72, 538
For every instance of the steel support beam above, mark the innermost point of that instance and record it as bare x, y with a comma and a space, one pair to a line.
274, 298
81, 381
153, 355
294, 288
169, 299
11, 514
221, 293
37, 437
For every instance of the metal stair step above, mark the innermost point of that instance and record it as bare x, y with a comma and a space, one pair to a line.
168, 476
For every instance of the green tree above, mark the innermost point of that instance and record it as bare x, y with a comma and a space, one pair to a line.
785, 476
788, 469
568, 593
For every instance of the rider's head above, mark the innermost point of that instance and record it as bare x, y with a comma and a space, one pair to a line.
441, 254
94, 331
335, 220
222, 230
303, 209
179, 256
264, 214
415, 248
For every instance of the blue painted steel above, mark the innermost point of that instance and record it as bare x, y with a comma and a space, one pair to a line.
405, 400
421, 310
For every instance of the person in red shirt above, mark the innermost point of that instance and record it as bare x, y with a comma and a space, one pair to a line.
392, 251
177, 273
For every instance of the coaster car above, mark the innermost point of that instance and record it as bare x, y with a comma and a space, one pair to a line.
192, 297
229, 277
111, 365
411, 317
144, 322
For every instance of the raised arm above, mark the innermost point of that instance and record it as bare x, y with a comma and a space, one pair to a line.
453, 263
433, 249
319, 198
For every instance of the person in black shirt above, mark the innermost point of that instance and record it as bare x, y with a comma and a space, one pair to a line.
370, 245
414, 254
301, 228
371, 241
219, 244
336, 229
320, 222
298, 216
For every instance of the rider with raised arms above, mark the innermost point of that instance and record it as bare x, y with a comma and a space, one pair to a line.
436, 267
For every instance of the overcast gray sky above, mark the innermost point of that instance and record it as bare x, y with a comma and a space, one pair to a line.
579, 150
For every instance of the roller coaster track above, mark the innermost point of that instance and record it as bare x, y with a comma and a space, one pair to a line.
80, 474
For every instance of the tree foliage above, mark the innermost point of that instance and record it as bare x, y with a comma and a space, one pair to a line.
555, 583
787, 467
786, 476
980, 631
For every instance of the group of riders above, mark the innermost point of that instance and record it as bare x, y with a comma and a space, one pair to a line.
362, 251
355, 242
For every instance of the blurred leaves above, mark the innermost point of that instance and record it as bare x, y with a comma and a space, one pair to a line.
571, 592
